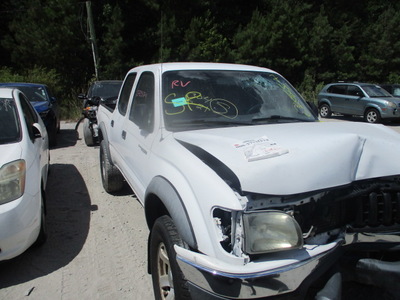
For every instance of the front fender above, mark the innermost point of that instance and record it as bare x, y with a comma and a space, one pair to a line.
324, 101
160, 189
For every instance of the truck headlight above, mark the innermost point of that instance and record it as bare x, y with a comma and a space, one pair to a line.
269, 231
12, 181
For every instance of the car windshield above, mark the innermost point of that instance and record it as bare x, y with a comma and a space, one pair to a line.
34, 93
215, 98
10, 131
376, 91
105, 90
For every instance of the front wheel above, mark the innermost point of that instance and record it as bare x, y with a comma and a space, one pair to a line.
42, 237
168, 280
372, 116
111, 177
325, 111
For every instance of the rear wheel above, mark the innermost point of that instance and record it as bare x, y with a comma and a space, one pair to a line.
111, 177
372, 116
87, 133
325, 111
168, 280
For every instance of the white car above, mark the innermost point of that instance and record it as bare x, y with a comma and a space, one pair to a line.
24, 163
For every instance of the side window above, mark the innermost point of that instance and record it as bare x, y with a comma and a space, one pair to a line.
29, 114
337, 89
125, 93
354, 91
142, 110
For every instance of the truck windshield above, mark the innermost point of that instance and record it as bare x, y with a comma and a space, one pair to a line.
215, 98
9, 122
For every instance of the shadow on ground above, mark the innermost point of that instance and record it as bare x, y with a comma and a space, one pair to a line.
68, 218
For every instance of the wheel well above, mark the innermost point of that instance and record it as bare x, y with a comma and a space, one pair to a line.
371, 107
322, 103
154, 209
100, 135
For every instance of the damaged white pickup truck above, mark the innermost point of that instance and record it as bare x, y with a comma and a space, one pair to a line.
246, 194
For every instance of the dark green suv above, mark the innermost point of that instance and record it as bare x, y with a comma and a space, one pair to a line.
360, 99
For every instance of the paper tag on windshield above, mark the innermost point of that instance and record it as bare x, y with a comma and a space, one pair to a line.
261, 148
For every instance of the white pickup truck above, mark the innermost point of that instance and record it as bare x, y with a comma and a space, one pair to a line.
246, 194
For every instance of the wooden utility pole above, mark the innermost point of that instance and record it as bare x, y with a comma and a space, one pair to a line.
92, 38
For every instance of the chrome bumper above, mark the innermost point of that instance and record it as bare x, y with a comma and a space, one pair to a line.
254, 285
219, 284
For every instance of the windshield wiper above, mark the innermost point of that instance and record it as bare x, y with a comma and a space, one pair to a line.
278, 118
208, 122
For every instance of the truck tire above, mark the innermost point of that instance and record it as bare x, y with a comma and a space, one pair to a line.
87, 134
168, 279
111, 177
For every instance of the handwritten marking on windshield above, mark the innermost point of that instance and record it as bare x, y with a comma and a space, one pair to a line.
195, 101
178, 83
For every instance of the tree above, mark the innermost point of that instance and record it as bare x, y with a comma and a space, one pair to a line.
275, 38
203, 41
112, 64
48, 34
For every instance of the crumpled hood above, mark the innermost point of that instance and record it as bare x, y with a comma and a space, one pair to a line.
283, 159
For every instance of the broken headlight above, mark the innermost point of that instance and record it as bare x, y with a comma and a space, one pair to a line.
269, 231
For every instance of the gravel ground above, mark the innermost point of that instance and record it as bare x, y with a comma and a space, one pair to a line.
97, 243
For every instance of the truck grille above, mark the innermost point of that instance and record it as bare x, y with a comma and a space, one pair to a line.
378, 208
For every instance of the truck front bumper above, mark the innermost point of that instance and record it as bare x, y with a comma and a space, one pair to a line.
209, 279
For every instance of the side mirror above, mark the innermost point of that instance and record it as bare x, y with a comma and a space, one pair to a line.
82, 96
37, 131
53, 99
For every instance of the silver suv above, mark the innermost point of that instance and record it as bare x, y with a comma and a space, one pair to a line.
360, 99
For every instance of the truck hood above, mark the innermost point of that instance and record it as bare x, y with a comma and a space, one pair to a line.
283, 159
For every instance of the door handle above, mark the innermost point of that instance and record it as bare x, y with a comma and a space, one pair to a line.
123, 134
112, 123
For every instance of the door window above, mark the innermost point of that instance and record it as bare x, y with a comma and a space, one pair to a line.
142, 109
125, 93
337, 89
354, 91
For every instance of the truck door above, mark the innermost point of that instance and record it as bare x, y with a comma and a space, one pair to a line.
116, 131
138, 132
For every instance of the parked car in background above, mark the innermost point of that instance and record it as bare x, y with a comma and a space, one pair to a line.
393, 89
360, 99
45, 104
24, 163
99, 91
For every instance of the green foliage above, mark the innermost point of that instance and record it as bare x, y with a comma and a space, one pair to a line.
309, 42
203, 41
7, 75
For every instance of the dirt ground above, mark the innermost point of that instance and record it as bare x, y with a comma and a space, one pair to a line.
97, 243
